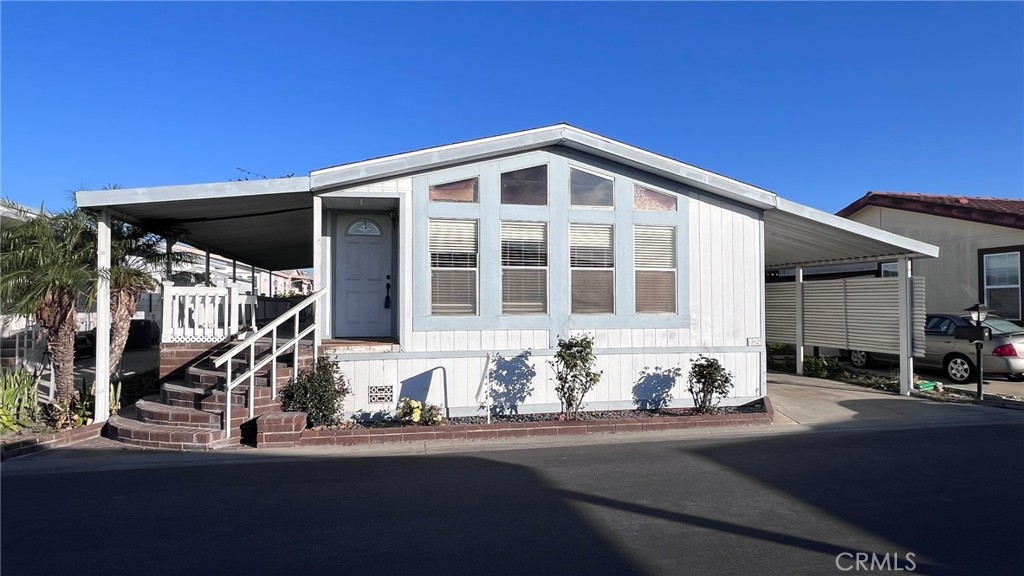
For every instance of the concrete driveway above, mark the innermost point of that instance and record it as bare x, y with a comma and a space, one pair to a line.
799, 400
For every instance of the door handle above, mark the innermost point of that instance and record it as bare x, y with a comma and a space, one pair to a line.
387, 293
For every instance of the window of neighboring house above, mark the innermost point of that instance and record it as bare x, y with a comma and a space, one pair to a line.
647, 199
527, 186
654, 260
1001, 275
461, 191
890, 269
454, 250
524, 272
589, 189
592, 268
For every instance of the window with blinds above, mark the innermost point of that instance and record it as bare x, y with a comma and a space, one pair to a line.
453, 267
592, 267
524, 272
654, 262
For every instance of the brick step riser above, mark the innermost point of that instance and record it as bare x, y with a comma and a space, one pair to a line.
197, 439
217, 405
213, 422
208, 380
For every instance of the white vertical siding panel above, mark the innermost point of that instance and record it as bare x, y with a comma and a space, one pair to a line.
704, 276
447, 341
501, 339
460, 382
600, 338
729, 306
473, 340
487, 340
637, 338
753, 276
717, 265
419, 342
650, 338
661, 337
694, 262
541, 340
433, 341
460, 340
614, 338
375, 373
515, 339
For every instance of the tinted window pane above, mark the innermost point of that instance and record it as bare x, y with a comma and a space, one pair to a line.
588, 189
526, 186
461, 191
646, 199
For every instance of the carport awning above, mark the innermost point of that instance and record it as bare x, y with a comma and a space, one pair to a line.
268, 223
796, 235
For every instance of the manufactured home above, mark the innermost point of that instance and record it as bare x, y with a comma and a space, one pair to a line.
449, 273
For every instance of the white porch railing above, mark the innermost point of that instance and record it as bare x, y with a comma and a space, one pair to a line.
204, 314
253, 366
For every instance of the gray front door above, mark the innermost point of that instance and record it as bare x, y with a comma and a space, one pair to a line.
364, 285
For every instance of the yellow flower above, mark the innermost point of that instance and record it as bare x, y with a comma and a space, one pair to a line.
416, 415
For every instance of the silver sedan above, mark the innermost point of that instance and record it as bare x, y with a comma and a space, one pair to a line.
1002, 354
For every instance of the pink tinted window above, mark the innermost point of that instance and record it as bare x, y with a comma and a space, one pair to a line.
461, 191
647, 199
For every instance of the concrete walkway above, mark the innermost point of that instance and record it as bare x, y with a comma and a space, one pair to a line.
827, 404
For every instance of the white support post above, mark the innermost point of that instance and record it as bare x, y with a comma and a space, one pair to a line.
906, 327
233, 310
318, 309
799, 291
207, 279
102, 408
255, 290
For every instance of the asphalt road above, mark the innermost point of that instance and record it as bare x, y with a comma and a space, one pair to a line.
769, 504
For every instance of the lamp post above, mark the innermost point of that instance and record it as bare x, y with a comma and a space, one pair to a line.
978, 313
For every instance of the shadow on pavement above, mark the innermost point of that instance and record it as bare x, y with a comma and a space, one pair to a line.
942, 493
380, 515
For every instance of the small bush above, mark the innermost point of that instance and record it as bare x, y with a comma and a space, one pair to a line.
780, 349
708, 382
820, 366
319, 393
19, 399
574, 373
419, 413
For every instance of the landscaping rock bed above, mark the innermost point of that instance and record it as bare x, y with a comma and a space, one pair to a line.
286, 429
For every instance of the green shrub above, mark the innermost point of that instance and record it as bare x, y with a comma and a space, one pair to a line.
820, 366
319, 393
419, 413
19, 399
574, 373
708, 382
780, 349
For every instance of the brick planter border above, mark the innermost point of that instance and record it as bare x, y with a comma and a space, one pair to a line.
40, 442
286, 429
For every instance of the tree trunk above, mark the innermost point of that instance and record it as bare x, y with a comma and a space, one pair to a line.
123, 303
61, 326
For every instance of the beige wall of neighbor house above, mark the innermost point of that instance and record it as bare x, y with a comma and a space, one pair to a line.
952, 278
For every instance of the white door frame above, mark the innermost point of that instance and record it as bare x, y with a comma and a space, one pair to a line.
342, 221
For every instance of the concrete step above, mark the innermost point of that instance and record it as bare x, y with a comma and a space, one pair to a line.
149, 435
151, 412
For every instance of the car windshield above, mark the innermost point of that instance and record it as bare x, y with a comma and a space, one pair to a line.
999, 325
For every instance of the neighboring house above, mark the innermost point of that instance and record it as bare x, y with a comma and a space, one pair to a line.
451, 273
223, 271
981, 242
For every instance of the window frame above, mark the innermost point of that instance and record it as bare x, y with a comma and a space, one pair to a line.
657, 190
592, 172
476, 191
674, 269
611, 269
547, 184
983, 286
546, 268
475, 268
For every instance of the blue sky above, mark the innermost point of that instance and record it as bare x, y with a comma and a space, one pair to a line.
817, 102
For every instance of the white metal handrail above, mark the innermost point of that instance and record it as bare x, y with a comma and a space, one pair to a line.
271, 358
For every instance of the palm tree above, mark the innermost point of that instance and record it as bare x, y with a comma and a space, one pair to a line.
48, 264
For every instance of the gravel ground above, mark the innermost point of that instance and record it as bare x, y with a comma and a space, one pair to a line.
752, 408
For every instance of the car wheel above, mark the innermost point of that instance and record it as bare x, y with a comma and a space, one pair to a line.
1015, 377
859, 358
959, 368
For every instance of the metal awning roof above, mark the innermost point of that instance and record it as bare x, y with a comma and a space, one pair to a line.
271, 220
268, 223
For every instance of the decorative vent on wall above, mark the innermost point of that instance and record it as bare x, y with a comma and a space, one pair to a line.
380, 394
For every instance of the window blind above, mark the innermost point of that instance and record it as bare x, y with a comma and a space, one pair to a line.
654, 260
591, 257
524, 260
453, 259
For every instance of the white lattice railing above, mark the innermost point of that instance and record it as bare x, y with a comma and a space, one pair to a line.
203, 314
253, 365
